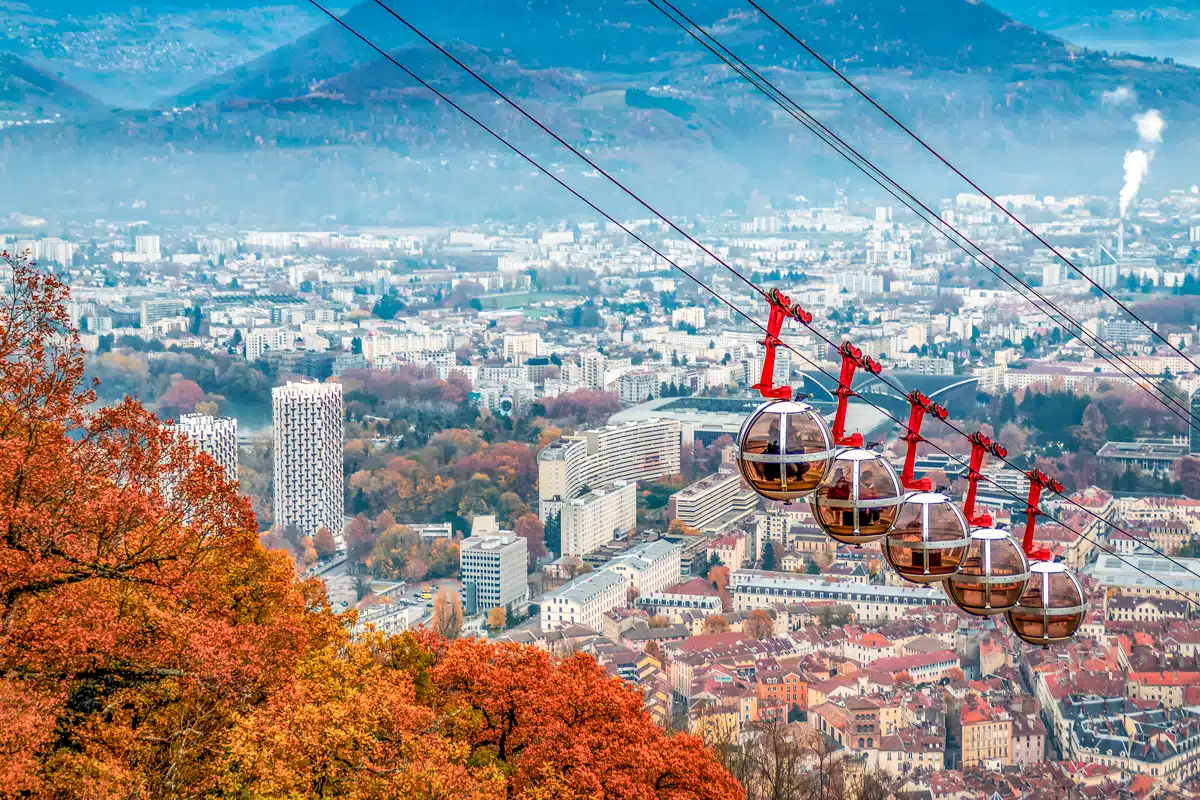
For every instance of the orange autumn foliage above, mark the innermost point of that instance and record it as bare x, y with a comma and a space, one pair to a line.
138, 606
150, 646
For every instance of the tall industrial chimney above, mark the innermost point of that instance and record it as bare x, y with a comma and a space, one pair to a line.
1121, 240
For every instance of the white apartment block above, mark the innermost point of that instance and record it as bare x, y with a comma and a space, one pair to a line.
638, 387
753, 589
601, 515
594, 366
649, 567
260, 340
518, 347
710, 499
637, 451
154, 310
584, 601
149, 246
307, 428
496, 565
692, 316
216, 436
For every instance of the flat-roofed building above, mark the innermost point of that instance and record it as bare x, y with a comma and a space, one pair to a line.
649, 567
638, 451
713, 499
1157, 457
496, 565
215, 436
1130, 577
760, 589
584, 601
598, 517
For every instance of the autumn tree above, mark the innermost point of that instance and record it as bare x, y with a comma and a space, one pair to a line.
715, 623
655, 651
150, 645
324, 543
447, 614
659, 621
140, 610
759, 624
529, 527
904, 679
359, 537
497, 618
718, 576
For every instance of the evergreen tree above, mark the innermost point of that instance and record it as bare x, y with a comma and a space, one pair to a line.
768, 556
553, 534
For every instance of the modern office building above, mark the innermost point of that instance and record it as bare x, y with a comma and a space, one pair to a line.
639, 451
594, 366
598, 517
307, 428
496, 565
714, 502
216, 436
154, 310
584, 601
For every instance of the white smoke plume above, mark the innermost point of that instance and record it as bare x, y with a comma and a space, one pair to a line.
1118, 96
1150, 126
1137, 164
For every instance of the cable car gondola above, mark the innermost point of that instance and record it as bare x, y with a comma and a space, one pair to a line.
786, 451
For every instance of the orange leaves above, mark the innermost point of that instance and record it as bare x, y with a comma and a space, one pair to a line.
569, 729
349, 726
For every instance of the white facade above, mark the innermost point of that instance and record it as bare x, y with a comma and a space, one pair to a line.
594, 366
260, 340
307, 428
496, 564
583, 601
520, 346
709, 499
216, 436
591, 521
154, 310
638, 451
649, 567
149, 246
638, 387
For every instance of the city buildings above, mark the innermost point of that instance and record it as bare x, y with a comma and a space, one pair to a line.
641, 451
757, 589
650, 567
598, 517
713, 503
215, 436
583, 601
493, 570
307, 434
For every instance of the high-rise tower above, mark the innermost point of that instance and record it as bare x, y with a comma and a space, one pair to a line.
307, 422
216, 436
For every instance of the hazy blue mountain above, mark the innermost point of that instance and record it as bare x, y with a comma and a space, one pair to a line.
322, 127
26, 88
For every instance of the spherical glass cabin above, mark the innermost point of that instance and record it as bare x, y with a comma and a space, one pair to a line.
784, 450
929, 540
1052, 606
992, 575
860, 500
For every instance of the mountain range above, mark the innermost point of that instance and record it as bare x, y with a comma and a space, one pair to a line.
1012, 102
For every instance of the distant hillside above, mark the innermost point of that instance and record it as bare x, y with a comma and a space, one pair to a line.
28, 90
351, 138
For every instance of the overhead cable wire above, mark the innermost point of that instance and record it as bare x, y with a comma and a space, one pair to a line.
861, 93
629, 192
545, 171
1169, 401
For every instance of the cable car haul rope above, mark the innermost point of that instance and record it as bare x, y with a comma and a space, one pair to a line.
787, 451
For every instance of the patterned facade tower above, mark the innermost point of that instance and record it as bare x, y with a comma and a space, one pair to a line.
307, 427
216, 436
